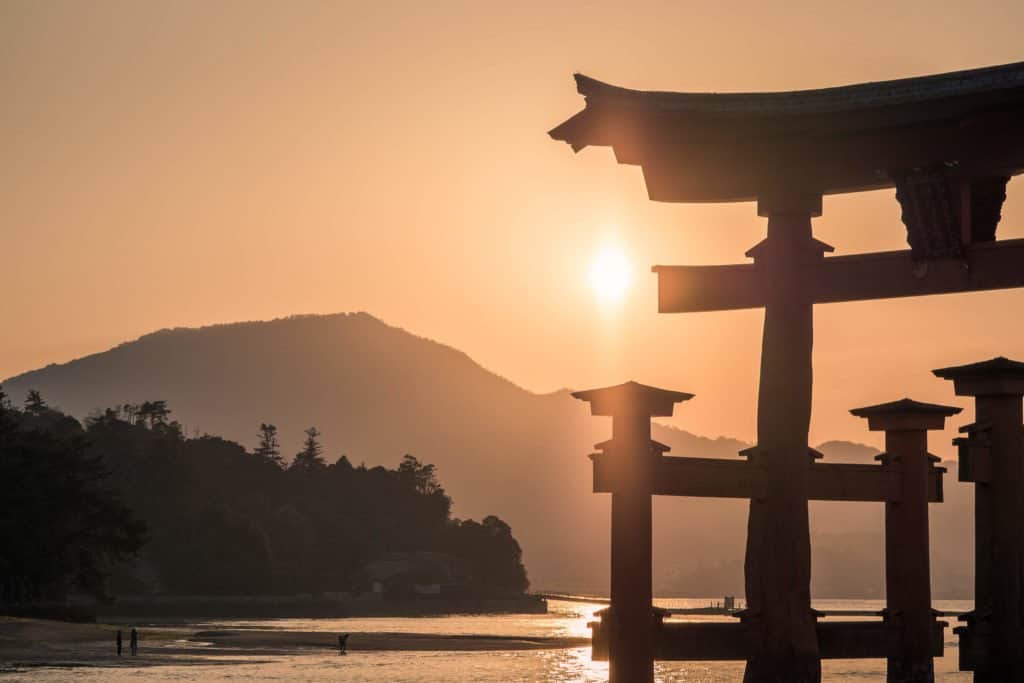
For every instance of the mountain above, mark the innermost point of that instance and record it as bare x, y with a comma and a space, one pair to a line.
378, 392
846, 451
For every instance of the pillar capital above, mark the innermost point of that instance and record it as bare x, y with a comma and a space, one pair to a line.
905, 415
996, 377
809, 251
632, 399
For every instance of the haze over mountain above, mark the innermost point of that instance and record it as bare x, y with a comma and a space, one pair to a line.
378, 392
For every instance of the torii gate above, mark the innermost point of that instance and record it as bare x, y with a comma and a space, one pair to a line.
948, 144
632, 467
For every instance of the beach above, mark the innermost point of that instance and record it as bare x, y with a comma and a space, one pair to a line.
26, 643
41, 650
477, 648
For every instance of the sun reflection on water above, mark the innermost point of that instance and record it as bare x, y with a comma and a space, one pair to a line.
574, 617
573, 665
556, 664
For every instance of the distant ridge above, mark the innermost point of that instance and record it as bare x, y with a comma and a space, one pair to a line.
377, 392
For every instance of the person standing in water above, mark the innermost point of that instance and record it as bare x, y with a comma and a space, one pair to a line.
343, 644
134, 642
118, 642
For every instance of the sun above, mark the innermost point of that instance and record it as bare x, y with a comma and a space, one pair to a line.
610, 274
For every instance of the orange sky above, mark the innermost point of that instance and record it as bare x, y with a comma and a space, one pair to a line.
187, 163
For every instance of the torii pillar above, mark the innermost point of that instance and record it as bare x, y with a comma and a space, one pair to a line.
631, 618
778, 557
908, 593
993, 458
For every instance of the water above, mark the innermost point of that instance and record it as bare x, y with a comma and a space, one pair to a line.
557, 665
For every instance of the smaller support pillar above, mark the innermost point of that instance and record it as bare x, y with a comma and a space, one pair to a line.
992, 456
908, 595
631, 618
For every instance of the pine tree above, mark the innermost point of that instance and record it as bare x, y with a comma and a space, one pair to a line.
311, 456
153, 414
270, 447
34, 403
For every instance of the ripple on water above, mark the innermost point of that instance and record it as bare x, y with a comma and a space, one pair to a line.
557, 665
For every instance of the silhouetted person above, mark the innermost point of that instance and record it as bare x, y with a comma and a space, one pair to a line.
118, 642
343, 644
134, 642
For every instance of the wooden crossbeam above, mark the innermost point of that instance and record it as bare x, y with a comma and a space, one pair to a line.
718, 478
724, 641
859, 277
852, 482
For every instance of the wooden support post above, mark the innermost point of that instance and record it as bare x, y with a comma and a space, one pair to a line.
908, 595
993, 640
778, 557
632, 651
631, 617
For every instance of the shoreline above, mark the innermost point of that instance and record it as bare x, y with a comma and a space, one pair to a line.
309, 607
40, 643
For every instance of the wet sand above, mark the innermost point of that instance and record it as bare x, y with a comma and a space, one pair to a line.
35, 642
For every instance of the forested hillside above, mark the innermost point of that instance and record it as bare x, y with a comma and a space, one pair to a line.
133, 506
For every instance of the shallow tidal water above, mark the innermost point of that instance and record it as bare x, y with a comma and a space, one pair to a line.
563, 619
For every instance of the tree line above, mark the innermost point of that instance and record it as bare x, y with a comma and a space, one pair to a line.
125, 503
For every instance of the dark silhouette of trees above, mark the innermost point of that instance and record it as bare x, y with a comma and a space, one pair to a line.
34, 403
421, 478
269, 447
152, 413
217, 519
62, 528
310, 458
490, 552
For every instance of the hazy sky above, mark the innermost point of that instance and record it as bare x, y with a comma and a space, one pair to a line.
187, 163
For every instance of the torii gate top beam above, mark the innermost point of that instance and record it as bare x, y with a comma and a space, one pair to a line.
709, 147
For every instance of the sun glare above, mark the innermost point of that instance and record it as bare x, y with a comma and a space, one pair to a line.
610, 274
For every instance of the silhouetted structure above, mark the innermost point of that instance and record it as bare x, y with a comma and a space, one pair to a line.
947, 143
630, 458
632, 468
992, 457
913, 633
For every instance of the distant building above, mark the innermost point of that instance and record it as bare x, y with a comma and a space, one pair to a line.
414, 575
